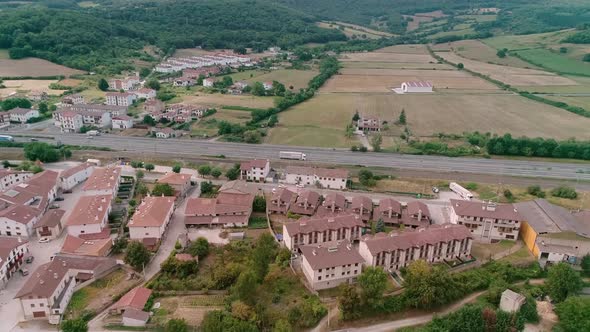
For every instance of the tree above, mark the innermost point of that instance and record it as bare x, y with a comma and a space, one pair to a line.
563, 50
460, 66
380, 227
562, 281
259, 204
585, 264
227, 81
502, 53
36, 169
245, 287
349, 131
356, 116
149, 167
258, 89
402, 117
119, 245
349, 302
278, 88
372, 282
366, 178
282, 325
206, 187
139, 174
564, 192
103, 85
11, 103
74, 325
6, 164
176, 325
508, 194
376, 141
153, 84
148, 120
573, 314
199, 247
162, 189
41, 151
137, 255
536, 190
586, 58
426, 286
273, 120
43, 107
232, 173
204, 170
262, 255
176, 168
216, 172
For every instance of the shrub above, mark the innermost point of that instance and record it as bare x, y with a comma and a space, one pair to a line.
564, 192
535, 191
471, 186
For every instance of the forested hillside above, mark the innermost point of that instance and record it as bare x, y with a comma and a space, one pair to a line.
108, 35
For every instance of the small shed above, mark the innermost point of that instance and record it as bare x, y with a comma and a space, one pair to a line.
236, 236
511, 301
134, 317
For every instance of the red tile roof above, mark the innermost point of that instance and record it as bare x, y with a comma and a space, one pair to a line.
74, 170
51, 218
256, 163
485, 210
175, 178
331, 255
103, 178
135, 298
314, 224
90, 210
152, 212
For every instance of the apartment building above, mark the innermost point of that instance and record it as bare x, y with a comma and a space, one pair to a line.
317, 230
433, 244
10, 178
255, 170
12, 252
73, 176
22, 115
120, 98
487, 221
324, 177
328, 265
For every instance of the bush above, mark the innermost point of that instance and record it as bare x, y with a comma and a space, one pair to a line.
259, 204
471, 186
199, 248
508, 194
565, 192
535, 191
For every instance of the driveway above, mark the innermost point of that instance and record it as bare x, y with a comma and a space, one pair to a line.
212, 235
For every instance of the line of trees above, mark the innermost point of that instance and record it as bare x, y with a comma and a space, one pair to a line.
538, 147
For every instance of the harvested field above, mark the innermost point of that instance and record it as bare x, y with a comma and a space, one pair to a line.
382, 80
396, 65
583, 102
405, 49
351, 30
71, 82
478, 51
33, 67
419, 18
309, 136
218, 100
509, 75
13, 86
296, 78
387, 57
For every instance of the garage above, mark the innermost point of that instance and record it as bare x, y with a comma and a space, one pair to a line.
38, 314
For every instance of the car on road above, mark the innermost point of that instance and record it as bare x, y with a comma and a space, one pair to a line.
299, 185
44, 240
59, 199
54, 206
34, 139
24, 272
29, 259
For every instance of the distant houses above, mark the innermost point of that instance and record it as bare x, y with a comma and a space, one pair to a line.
22, 115
325, 177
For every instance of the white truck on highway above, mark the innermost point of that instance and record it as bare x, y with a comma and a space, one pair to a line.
292, 155
93, 133
459, 190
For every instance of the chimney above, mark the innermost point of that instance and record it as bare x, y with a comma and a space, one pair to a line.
41, 282
100, 208
20, 240
103, 200
54, 275
314, 252
330, 219
96, 217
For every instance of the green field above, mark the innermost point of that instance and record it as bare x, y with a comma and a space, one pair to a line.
556, 62
289, 77
520, 42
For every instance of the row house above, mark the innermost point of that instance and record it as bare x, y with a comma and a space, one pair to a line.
180, 182
329, 265
306, 203
153, 106
73, 176
50, 225
99, 108
73, 99
125, 84
333, 203
317, 230
90, 215
22, 115
150, 220
122, 122
432, 244
10, 178
103, 181
120, 98
367, 123
12, 252
362, 206
255, 170
165, 132
37, 95
174, 64
184, 112
98, 119
487, 221
48, 291
145, 93
96, 247
414, 214
324, 177
228, 209
68, 121
280, 201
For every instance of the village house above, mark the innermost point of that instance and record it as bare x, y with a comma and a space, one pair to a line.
37, 95
4, 119
180, 182
125, 84
255, 170
267, 85
10, 178
12, 253
48, 291
368, 123
145, 93
362, 206
433, 244
281, 201
68, 121
153, 106
96, 247
184, 112
90, 215
241, 85
50, 225
122, 122
228, 209
184, 81
73, 176
103, 181
328, 265
165, 132
120, 98
415, 214
552, 233
324, 177
68, 118
333, 203
317, 230
73, 99
209, 82
150, 220
22, 115
134, 299
487, 221
135, 318
306, 203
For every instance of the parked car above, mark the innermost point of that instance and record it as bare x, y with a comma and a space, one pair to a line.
29, 259
44, 240
299, 185
59, 199
24, 272
54, 206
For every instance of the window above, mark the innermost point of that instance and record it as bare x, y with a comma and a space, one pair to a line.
41, 305
320, 278
355, 271
32, 305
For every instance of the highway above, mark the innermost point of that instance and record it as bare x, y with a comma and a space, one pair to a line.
183, 147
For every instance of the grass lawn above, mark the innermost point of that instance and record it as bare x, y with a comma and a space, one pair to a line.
520, 257
207, 127
257, 222
476, 50
555, 62
484, 251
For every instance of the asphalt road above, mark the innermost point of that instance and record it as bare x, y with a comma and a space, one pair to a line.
181, 147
